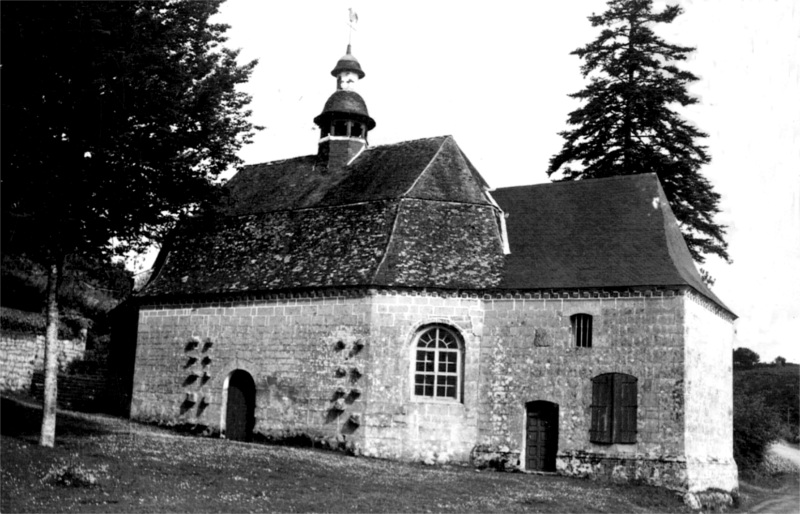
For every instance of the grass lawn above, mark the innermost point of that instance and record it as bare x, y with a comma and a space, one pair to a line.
147, 469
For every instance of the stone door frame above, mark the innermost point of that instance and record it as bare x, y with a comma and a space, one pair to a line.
549, 410
224, 405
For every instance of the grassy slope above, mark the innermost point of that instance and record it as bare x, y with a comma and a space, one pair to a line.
151, 470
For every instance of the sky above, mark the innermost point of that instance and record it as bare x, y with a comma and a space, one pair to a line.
496, 77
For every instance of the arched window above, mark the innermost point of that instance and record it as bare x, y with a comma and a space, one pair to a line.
582, 330
614, 406
439, 359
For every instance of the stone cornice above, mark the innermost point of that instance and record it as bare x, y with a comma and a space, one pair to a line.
711, 306
187, 301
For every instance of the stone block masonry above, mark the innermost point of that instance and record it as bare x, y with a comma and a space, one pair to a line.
708, 397
22, 354
306, 357
641, 337
399, 424
340, 366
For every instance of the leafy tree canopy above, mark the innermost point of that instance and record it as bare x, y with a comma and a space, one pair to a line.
116, 118
745, 358
628, 123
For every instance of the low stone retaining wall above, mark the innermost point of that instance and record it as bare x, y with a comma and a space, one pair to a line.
21, 354
87, 392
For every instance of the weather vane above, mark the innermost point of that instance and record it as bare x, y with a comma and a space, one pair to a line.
352, 24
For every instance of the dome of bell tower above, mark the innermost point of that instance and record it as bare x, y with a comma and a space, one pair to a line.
344, 121
348, 63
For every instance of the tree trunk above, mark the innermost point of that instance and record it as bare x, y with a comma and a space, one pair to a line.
48, 435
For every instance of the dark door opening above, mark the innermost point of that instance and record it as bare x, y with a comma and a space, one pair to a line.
541, 437
241, 406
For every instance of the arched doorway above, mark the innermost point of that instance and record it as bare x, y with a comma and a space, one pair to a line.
541, 435
240, 406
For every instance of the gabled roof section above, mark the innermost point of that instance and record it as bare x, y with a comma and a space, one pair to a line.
613, 232
432, 168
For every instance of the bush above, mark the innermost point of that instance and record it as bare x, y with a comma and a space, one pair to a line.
755, 427
13, 320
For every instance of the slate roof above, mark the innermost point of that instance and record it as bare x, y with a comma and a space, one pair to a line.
411, 214
416, 214
600, 233
433, 168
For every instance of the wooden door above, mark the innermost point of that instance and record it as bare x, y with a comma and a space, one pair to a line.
541, 438
240, 409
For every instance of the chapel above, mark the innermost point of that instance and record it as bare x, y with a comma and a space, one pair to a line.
385, 300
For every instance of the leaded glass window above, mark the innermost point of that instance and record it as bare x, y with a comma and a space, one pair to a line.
438, 364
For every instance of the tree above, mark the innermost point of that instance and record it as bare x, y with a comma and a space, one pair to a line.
627, 123
117, 116
755, 426
745, 358
779, 361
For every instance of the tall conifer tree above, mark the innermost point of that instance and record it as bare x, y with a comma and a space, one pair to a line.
627, 123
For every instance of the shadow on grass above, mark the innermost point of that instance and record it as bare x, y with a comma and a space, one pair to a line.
24, 420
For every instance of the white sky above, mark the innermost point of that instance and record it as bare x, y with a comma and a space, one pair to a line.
496, 77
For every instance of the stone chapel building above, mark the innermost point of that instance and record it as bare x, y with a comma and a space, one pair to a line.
385, 299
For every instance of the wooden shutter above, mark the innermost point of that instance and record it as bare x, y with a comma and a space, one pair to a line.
625, 408
602, 387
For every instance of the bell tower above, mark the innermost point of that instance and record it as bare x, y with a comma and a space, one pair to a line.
344, 122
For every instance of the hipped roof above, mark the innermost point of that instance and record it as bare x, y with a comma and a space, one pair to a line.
600, 233
416, 214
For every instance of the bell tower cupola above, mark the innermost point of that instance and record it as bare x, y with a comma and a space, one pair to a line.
344, 122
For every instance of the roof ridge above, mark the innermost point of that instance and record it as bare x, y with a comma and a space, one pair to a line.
427, 166
279, 161
563, 183
366, 149
389, 241
410, 141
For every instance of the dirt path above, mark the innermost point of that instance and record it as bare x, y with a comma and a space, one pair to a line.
787, 499
787, 452
783, 504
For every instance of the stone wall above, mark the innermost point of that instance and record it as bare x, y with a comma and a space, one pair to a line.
398, 424
708, 393
89, 391
22, 354
340, 366
528, 354
304, 354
